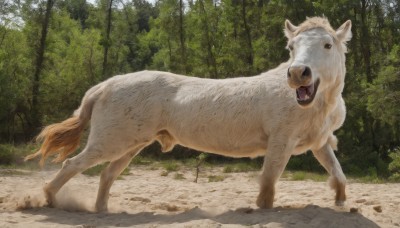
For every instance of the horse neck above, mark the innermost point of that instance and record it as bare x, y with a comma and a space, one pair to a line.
331, 96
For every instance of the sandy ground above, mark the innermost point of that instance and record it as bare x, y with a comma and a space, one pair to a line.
145, 198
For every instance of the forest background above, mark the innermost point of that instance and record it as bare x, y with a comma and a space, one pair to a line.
52, 51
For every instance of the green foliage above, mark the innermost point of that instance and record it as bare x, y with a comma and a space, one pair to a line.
394, 165
14, 85
384, 92
306, 162
11, 155
202, 157
7, 155
75, 57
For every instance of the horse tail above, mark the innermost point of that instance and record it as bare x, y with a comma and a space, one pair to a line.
64, 138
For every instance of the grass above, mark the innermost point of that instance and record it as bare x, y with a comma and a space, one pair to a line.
301, 175
368, 179
216, 178
96, 170
240, 167
140, 160
170, 165
11, 158
179, 176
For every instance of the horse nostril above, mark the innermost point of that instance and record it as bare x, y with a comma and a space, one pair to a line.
288, 73
306, 72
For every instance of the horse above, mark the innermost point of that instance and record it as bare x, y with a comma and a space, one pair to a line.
285, 111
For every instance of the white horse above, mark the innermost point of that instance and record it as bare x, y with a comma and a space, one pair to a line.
286, 111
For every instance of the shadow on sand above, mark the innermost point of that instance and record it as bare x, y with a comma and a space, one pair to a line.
309, 216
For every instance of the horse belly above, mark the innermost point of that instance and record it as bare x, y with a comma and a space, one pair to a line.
225, 143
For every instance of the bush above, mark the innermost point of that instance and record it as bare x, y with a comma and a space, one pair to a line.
394, 166
305, 162
7, 154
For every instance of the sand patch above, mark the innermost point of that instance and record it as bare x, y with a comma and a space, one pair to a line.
147, 199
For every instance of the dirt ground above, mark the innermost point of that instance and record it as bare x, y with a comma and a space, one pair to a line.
145, 198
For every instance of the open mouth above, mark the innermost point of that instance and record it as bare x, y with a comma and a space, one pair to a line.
305, 94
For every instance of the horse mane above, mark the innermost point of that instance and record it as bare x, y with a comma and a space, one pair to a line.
315, 22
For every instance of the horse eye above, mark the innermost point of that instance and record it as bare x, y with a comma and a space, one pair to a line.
290, 47
328, 46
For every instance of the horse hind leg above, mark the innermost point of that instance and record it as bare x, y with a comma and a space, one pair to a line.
70, 168
108, 176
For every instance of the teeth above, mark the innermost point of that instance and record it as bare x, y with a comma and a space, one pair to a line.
306, 97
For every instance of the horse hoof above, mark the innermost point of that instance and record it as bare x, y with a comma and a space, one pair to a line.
264, 203
50, 199
339, 203
102, 210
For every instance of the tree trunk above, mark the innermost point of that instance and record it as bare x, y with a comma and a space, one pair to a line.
366, 52
365, 42
182, 38
35, 113
107, 39
3, 36
210, 55
250, 57
354, 48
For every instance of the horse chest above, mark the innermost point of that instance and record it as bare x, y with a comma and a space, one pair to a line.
314, 134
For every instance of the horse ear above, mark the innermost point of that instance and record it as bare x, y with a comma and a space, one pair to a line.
344, 32
290, 29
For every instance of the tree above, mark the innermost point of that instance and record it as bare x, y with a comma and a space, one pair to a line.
35, 119
170, 29
384, 92
106, 38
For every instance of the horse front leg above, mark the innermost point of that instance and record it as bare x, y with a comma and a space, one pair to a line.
328, 160
274, 164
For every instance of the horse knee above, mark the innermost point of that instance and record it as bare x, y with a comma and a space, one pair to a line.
66, 163
75, 165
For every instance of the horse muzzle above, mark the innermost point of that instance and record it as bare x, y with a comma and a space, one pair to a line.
300, 78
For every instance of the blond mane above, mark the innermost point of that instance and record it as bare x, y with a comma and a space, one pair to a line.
315, 22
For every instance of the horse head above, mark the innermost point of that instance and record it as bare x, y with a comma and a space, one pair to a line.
317, 59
